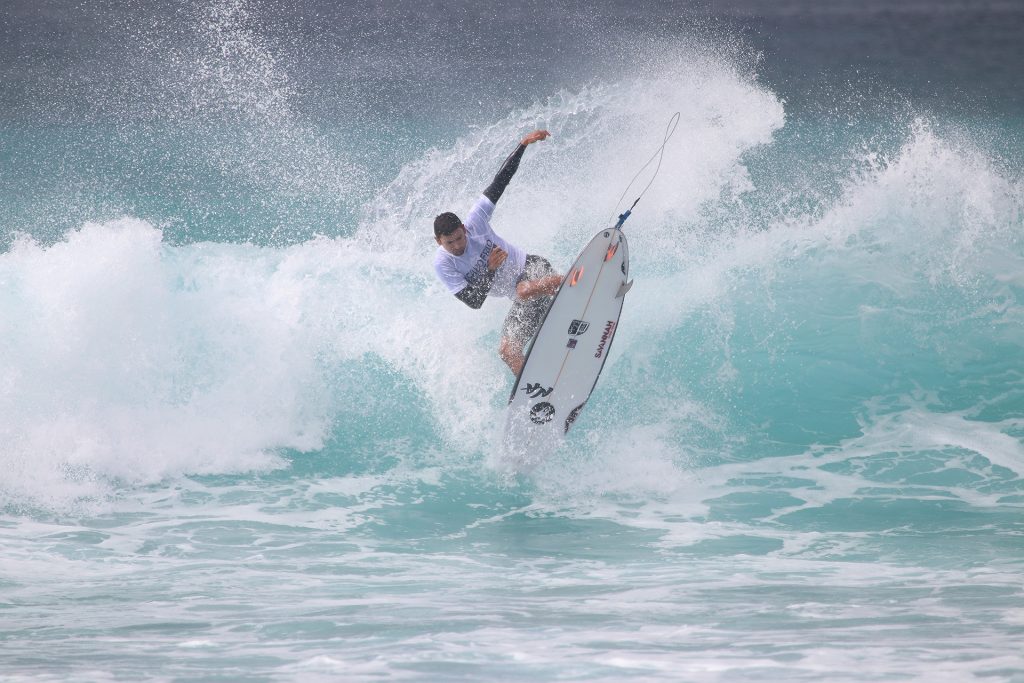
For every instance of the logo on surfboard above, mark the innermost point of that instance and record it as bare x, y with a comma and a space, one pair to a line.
609, 329
536, 390
542, 413
578, 327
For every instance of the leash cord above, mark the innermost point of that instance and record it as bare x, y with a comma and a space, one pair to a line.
659, 155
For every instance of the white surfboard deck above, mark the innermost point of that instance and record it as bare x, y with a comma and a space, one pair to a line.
568, 352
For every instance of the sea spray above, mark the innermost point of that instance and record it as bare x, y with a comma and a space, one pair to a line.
244, 433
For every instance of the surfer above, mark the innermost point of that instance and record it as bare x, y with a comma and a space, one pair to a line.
473, 262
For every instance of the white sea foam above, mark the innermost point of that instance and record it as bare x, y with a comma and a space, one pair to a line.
803, 460
130, 360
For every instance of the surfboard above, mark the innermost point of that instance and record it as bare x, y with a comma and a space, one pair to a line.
569, 350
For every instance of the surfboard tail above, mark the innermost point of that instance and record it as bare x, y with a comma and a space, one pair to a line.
573, 415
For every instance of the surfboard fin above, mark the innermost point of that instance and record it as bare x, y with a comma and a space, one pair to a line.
625, 287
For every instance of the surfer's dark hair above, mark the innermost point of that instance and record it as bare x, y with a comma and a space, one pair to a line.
446, 224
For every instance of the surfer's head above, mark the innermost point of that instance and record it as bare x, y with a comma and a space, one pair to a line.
450, 233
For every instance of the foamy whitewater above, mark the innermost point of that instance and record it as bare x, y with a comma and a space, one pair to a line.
245, 435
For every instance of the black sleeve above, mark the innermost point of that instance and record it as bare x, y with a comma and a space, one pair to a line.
474, 295
508, 169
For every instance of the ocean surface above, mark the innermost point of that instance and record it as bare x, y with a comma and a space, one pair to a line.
246, 436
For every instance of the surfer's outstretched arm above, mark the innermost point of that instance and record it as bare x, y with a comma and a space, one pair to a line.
511, 165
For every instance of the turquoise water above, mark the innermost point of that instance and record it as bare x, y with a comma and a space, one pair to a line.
244, 434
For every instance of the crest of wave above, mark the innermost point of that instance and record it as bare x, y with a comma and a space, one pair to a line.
910, 279
130, 360
566, 190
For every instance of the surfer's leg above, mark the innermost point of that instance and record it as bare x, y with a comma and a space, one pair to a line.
524, 317
512, 354
512, 336
521, 324
537, 268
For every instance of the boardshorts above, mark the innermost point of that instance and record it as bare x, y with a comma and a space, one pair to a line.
525, 316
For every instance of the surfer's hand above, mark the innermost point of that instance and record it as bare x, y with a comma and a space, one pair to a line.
496, 258
535, 136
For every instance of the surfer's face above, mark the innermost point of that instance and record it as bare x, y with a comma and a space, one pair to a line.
454, 242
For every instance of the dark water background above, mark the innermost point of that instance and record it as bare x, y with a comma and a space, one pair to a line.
111, 107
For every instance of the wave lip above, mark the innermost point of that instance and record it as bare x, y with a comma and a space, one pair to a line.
129, 360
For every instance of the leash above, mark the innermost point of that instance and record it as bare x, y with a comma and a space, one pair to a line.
659, 154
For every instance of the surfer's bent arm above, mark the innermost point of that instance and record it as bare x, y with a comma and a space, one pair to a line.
474, 295
511, 165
